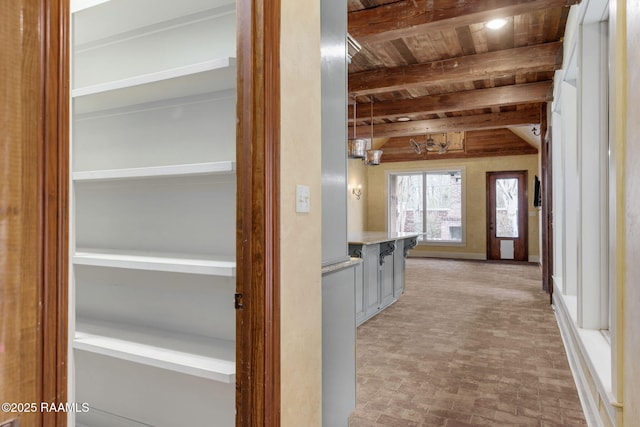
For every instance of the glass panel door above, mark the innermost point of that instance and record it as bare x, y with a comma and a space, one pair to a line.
507, 216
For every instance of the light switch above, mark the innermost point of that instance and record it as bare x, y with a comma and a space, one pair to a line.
303, 198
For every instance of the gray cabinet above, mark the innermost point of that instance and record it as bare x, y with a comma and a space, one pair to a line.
367, 291
339, 272
338, 345
380, 279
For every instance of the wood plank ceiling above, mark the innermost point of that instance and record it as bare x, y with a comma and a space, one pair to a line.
436, 63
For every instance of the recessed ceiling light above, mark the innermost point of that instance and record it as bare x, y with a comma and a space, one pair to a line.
496, 24
403, 119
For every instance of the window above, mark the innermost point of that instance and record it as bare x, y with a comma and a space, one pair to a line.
427, 202
507, 208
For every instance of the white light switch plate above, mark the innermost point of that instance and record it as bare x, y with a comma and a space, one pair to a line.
303, 199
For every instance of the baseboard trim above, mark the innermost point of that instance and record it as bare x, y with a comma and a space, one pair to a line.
460, 255
451, 255
580, 368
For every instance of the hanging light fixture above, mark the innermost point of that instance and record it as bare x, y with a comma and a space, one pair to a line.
357, 146
431, 145
373, 156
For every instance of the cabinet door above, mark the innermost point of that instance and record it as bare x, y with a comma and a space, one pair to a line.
370, 255
338, 349
398, 270
387, 249
359, 291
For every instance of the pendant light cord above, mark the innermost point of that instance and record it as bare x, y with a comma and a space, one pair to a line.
371, 124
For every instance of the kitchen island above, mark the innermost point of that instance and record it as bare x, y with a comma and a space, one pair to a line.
380, 278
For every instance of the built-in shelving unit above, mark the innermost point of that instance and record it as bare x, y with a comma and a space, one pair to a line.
153, 212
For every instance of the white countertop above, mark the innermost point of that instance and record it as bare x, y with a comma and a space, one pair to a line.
373, 237
341, 265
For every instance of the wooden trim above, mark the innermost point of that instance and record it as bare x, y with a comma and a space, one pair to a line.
54, 316
258, 216
547, 203
20, 206
522, 247
35, 142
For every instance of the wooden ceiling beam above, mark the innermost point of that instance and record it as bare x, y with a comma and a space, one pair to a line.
414, 17
451, 124
527, 59
527, 93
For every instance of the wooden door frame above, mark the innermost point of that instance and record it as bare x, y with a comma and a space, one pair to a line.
258, 252
523, 209
38, 142
56, 17
258, 215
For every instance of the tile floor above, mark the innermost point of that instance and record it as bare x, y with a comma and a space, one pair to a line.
468, 344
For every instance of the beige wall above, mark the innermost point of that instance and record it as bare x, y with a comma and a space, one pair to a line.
476, 217
301, 304
357, 209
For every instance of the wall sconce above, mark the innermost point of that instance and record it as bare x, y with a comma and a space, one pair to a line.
357, 191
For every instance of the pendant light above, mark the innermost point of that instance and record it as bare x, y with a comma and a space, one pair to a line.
373, 156
356, 148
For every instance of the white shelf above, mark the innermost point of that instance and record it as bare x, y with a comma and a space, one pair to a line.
102, 19
213, 267
201, 357
97, 417
211, 168
210, 76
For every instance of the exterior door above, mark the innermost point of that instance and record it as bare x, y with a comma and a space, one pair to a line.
507, 231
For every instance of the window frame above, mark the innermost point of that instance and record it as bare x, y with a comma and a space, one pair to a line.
424, 172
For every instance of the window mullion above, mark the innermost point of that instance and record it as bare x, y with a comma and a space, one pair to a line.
424, 206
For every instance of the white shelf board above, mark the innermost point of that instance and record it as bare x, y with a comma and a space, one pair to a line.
224, 266
98, 417
211, 168
209, 76
214, 359
100, 19
79, 5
